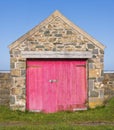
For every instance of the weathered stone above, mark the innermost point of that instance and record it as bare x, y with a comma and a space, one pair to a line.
94, 94
4, 102
15, 72
95, 51
78, 47
95, 101
17, 53
34, 42
52, 39
19, 81
91, 46
21, 59
100, 79
98, 65
47, 33
58, 35
4, 96
94, 56
23, 73
101, 51
39, 46
54, 49
16, 91
30, 39
69, 32
101, 93
94, 73
4, 91
21, 65
60, 46
23, 91
109, 85
5, 83
101, 59
12, 65
91, 84
91, 66
12, 99
57, 43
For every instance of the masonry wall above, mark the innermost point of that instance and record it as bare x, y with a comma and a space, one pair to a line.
56, 35
108, 85
5, 81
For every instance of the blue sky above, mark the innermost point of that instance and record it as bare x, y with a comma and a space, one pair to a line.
96, 17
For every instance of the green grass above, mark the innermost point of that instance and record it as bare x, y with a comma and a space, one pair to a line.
80, 120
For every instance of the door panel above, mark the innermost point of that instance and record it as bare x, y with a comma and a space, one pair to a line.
56, 85
34, 87
49, 87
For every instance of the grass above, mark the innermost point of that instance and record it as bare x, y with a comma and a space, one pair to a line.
80, 120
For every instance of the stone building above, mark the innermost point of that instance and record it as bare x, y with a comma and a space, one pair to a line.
55, 42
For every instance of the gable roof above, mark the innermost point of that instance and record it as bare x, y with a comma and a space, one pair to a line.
50, 18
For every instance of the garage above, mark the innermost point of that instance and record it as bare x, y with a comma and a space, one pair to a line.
56, 85
56, 66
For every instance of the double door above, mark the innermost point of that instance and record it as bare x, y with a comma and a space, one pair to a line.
56, 85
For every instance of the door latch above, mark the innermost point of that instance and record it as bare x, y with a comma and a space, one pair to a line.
51, 81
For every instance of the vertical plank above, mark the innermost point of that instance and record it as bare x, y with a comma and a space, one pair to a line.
34, 89
49, 93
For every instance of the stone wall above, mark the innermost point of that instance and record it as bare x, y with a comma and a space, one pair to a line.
5, 88
108, 85
57, 36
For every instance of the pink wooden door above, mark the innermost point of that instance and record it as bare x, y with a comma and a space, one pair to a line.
56, 85
34, 87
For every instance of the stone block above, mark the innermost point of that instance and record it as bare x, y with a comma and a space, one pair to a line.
4, 96
40, 46
16, 91
95, 51
12, 65
19, 81
91, 84
4, 102
94, 94
101, 51
98, 65
47, 33
94, 102
21, 65
100, 79
58, 35
69, 32
52, 39
101, 93
101, 59
91, 65
90, 46
4, 91
23, 73
94, 73
15, 72
12, 99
